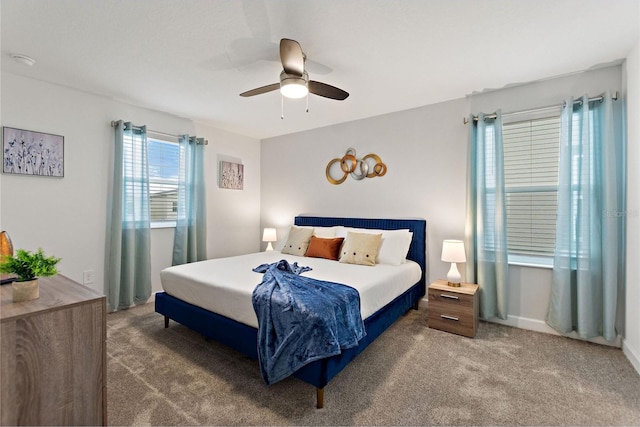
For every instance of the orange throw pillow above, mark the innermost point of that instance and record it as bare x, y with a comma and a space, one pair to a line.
324, 248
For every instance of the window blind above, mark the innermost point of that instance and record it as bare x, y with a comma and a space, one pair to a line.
531, 160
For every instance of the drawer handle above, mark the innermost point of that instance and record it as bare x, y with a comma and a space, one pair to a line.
444, 316
449, 296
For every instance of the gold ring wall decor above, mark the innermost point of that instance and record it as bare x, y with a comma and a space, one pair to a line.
369, 166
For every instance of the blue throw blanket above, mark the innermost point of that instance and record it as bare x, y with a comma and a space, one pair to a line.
301, 319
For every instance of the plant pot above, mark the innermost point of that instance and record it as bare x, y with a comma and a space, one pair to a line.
25, 291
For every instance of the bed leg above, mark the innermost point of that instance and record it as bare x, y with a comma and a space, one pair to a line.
166, 321
319, 398
416, 305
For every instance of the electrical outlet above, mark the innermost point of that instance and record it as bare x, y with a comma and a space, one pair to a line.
87, 277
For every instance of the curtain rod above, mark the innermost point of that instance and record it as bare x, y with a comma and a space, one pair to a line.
114, 123
577, 101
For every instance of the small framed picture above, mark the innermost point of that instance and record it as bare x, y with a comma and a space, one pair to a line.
27, 152
231, 175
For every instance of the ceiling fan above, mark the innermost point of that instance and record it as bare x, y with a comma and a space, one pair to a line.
294, 79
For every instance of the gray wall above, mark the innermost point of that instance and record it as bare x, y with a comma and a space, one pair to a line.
425, 153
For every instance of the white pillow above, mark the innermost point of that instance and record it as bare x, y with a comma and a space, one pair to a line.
394, 247
325, 232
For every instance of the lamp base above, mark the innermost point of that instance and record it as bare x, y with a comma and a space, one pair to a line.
454, 277
269, 247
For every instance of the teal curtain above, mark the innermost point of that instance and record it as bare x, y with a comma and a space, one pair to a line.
128, 263
587, 293
486, 219
190, 241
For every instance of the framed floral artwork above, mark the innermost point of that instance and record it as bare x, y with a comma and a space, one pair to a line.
231, 175
27, 152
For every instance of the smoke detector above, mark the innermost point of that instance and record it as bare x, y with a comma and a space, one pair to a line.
23, 59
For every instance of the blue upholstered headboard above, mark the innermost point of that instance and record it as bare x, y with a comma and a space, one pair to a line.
417, 250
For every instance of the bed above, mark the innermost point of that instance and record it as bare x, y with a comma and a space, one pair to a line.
239, 330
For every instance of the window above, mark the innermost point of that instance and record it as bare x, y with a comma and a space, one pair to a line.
531, 161
164, 168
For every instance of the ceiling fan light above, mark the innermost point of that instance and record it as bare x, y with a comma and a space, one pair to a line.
294, 88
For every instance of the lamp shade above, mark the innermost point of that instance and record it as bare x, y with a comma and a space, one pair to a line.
269, 235
6, 247
453, 251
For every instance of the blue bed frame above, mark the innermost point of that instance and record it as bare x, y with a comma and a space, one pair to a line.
243, 338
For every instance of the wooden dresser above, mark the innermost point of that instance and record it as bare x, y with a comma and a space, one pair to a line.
453, 309
53, 356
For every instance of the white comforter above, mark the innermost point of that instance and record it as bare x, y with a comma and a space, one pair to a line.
225, 285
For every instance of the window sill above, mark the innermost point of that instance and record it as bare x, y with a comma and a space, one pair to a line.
163, 224
531, 261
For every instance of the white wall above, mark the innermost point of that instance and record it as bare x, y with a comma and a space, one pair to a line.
530, 288
631, 344
549, 92
425, 150
1, 226
233, 216
67, 216
425, 153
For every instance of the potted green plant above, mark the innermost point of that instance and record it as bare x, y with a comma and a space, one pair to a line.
28, 266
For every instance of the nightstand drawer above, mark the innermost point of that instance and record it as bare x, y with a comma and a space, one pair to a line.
454, 319
453, 309
453, 299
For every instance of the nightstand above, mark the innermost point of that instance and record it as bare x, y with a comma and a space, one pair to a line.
453, 309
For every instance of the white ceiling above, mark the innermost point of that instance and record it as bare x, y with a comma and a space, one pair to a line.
192, 58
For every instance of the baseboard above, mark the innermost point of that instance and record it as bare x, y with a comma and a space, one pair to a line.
525, 323
541, 326
633, 356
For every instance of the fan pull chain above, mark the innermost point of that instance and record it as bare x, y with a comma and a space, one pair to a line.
307, 102
281, 107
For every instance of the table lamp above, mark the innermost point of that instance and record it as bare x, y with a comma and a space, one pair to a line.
269, 235
453, 252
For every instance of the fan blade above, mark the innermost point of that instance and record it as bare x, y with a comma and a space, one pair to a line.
327, 91
291, 57
261, 90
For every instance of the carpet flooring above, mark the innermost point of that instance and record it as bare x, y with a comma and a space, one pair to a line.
411, 375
